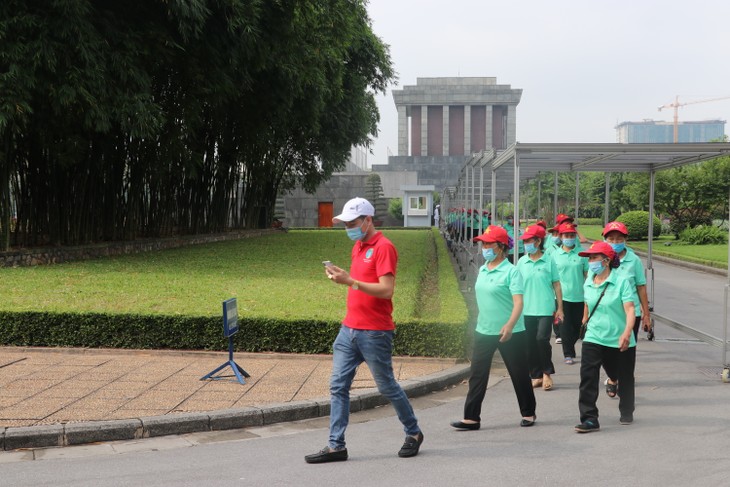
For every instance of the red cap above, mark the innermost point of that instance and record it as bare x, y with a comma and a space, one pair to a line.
493, 233
563, 218
533, 231
567, 228
615, 227
599, 247
542, 223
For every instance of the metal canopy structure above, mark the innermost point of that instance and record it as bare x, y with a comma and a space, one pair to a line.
521, 162
531, 159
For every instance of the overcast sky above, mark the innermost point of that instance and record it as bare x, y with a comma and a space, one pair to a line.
583, 65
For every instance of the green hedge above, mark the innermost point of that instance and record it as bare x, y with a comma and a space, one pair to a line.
94, 330
437, 332
637, 223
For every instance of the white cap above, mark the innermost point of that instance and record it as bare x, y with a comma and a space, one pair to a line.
354, 208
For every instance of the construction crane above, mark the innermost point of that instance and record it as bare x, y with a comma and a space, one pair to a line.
676, 106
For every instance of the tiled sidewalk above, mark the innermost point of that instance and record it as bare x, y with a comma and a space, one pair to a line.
40, 386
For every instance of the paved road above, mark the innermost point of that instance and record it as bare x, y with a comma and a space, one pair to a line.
691, 297
681, 436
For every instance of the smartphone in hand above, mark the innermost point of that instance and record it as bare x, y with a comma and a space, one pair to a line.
326, 263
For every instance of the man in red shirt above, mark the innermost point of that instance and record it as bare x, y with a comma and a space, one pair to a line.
366, 334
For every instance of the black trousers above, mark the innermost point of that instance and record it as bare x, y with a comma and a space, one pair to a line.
514, 354
620, 363
539, 350
637, 327
570, 328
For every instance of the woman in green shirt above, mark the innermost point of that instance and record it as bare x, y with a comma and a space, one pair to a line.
500, 326
542, 287
609, 339
572, 269
631, 269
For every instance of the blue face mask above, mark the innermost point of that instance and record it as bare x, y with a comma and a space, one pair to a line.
356, 233
596, 267
569, 242
530, 248
618, 247
489, 255
556, 240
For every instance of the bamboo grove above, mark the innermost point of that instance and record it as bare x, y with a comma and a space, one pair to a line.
147, 118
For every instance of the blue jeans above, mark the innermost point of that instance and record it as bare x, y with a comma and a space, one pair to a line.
375, 348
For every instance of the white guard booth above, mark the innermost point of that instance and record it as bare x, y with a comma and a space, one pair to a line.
417, 205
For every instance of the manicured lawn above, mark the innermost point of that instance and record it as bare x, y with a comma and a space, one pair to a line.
712, 255
277, 275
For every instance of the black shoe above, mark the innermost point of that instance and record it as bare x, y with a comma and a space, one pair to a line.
465, 426
410, 446
326, 455
587, 426
528, 422
628, 419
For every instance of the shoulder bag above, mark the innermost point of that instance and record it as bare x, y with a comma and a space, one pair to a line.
584, 326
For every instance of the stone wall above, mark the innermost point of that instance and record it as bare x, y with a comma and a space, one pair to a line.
56, 255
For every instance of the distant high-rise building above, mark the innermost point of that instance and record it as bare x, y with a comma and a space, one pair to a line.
658, 132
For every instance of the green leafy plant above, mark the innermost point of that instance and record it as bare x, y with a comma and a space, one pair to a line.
637, 223
703, 235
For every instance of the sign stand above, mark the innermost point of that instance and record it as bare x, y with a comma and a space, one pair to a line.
230, 327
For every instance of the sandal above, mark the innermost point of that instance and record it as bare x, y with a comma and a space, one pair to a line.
547, 382
611, 389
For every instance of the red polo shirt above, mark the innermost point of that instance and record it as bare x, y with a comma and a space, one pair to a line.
370, 260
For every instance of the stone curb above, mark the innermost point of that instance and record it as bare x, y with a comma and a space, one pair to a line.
681, 263
174, 424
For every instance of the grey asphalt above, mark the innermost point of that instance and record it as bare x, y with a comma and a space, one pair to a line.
680, 437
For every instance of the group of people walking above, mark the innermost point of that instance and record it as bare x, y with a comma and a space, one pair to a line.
599, 293
601, 289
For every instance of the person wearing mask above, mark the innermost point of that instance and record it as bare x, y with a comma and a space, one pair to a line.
542, 287
553, 243
561, 218
367, 330
572, 269
608, 315
631, 269
500, 326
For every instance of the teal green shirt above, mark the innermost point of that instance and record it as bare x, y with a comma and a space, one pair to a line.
609, 321
572, 268
519, 243
494, 290
632, 270
549, 246
538, 277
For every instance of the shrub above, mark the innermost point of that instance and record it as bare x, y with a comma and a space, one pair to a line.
703, 235
637, 223
430, 312
395, 208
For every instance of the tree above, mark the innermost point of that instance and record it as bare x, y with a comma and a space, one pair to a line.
128, 119
374, 194
395, 208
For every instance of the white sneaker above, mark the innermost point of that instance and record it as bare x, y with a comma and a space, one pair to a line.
558, 340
